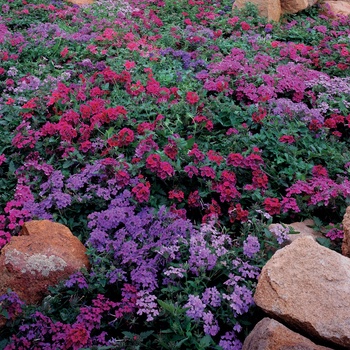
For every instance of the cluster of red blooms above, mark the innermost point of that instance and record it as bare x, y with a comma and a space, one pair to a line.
161, 168
142, 192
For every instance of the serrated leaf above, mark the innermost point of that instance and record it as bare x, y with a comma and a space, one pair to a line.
166, 306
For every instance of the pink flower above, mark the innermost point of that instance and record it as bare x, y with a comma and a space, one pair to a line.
129, 64
2, 158
64, 52
165, 170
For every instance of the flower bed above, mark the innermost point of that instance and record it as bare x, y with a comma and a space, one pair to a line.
167, 136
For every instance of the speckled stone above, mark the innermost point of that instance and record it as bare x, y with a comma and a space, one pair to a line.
43, 254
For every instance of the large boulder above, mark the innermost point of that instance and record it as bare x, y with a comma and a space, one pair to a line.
271, 9
294, 6
43, 254
268, 334
345, 248
307, 287
337, 8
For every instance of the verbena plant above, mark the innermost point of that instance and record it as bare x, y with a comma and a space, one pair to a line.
167, 136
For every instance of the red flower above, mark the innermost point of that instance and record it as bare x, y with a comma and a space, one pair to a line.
122, 177
171, 149
287, 139
135, 89
207, 171
191, 170
165, 170
272, 206
85, 146
153, 162
125, 137
319, 171
142, 192
194, 199
215, 157
235, 159
245, 26
77, 337
260, 179
192, 97
236, 213
176, 194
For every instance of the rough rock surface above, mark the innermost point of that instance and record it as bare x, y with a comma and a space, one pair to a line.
307, 287
81, 2
345, 248
294, 6
267, 8
269, 334
43, 254
337, 8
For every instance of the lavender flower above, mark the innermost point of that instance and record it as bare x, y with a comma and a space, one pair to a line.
251, 246
212, 297
280, 232
146, 305
195, 307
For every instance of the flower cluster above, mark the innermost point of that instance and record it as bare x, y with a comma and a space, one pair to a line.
164, 134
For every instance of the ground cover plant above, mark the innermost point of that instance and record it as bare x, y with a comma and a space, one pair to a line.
167, 136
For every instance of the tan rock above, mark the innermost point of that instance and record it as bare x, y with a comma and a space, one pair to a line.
271, 9
336, 8
294, 6
269, 334
307, 286
43, 254
81, 2
345, 248
302, 229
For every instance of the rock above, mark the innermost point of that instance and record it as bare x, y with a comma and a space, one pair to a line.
43, 254
345, 248
307, 287
336, 8
81, 2
269, 334
271, 9
302, 229
294, 6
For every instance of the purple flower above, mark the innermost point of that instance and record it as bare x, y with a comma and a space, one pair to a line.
195, 307
146, 305
251, 246
280, 232
212, 297
211, 325
76, 279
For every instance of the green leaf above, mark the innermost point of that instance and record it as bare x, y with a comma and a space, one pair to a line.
168, 307
206, 341
324, 241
